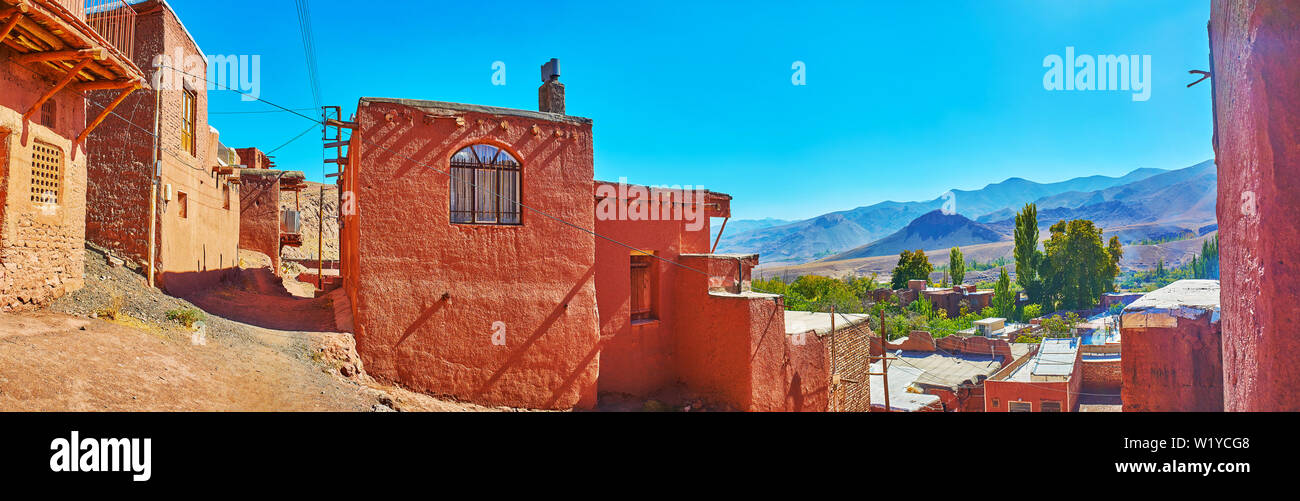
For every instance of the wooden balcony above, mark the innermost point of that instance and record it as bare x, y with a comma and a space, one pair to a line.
54, 40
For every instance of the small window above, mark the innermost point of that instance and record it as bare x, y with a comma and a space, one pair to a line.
996, 402
644, 284
47, 173
1020, 406
484, 186
1050, 406
49, 113
225, 193
189, 117
182, 205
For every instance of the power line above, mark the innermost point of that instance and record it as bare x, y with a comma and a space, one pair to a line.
557, 219
295, 138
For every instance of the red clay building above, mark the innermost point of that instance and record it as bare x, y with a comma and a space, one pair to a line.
1170, 341
263, 226
50, 56
1255, 54
168, 204
1047, 379
502, 305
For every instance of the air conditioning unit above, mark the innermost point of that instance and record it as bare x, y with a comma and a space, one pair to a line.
291, 221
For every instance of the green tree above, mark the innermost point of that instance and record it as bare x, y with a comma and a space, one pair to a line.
957, 265
1028, 257
912, 265
1076, 268
1206, 265
1004, 303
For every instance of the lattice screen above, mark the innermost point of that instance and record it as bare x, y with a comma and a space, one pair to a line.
47, 170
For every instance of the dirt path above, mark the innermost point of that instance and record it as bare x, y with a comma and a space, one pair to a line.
67, 359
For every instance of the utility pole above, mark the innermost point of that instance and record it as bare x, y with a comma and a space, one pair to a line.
320, 240
884, 361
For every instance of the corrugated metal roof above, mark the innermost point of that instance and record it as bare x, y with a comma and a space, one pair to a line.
1056, 357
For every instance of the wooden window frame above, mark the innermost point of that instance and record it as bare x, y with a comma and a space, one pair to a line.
189, 121
1042, 406
1012, 406
182, 205
644, 288
480, 169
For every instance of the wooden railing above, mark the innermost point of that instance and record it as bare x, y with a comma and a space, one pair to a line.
114, 20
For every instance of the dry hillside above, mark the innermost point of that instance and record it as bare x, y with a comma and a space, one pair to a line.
309, 201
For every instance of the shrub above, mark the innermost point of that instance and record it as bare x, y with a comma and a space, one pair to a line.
185, 316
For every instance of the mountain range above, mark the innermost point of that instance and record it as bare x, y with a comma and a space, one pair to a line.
1146, 203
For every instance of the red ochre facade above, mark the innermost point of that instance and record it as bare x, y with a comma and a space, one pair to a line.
428, 294
193, 249
1256, 55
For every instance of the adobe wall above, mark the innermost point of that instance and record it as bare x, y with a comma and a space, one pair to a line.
1257, 149
638, 359
425, 313
1173, 368
191, 252
259, 213
41, 246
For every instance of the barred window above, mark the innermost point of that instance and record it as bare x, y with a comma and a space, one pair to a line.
47, 173
484, 186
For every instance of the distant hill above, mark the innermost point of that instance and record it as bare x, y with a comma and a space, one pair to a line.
743, 225
933, 230
836, 232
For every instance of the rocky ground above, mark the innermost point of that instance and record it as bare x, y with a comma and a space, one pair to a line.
309, 202
111, 346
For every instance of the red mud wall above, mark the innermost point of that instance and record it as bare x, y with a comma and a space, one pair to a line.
259, 213
41, 255
428, 292
191, 251
1170, 369
734, 347
1257, 122
638, 359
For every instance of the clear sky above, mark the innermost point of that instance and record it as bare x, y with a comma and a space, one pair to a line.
903, 100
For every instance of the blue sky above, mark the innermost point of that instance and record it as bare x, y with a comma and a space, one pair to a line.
902, 102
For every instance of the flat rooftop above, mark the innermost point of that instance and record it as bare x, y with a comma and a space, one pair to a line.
440, 106
799, 322
946, 369
901, 377
1053, 362
1190, 299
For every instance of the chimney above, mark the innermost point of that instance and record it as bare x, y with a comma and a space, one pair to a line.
550, 96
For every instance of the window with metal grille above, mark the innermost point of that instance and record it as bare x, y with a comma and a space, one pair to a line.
1020, 406
47, 173
189, 116
484, 186
643, 287
1050, 406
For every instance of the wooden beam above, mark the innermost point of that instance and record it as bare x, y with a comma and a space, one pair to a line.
337, 144
14, 15
341, 124
107, 85
72, 74
62, 55
104, 114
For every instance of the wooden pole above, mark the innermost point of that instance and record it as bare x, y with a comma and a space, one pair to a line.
68, 78
320, 240
884, 360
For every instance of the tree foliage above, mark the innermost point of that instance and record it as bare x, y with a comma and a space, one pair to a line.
1072, 270
912, 265
1004, 302
1028, 257
956, 266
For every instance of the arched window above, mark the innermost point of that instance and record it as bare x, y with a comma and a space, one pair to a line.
484, 186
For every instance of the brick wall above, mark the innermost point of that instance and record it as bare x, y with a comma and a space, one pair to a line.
1102, 375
